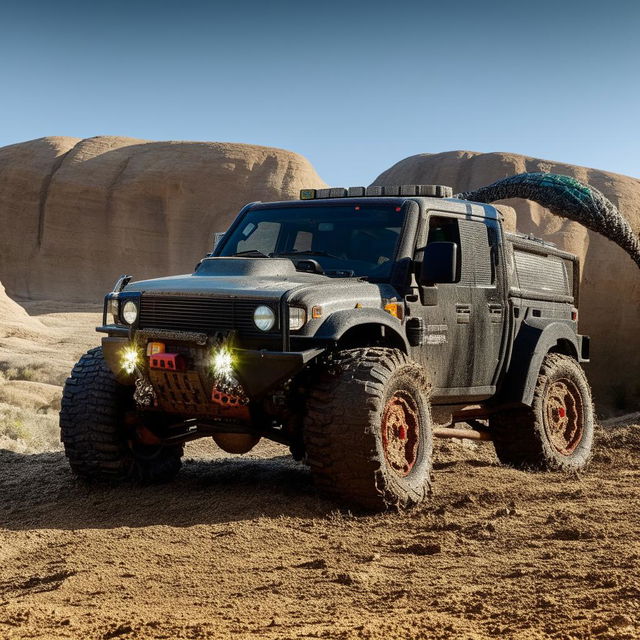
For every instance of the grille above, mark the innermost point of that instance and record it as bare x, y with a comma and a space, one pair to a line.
208, 315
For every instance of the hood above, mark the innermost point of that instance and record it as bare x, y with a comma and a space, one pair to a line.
230, 277
264, 278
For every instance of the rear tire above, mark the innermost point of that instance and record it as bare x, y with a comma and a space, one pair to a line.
556, 432
96, 429
367, 431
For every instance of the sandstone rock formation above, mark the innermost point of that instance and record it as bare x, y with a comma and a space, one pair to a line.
610, 292
75, 214
15, 321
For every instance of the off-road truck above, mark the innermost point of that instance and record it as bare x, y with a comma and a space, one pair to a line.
352, 325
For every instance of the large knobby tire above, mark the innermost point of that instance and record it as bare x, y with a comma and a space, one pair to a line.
367, 431
97, 430
556, 432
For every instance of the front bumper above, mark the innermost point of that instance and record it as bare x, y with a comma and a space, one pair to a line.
257, 371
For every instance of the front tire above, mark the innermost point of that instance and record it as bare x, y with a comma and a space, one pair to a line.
556, 432
367, 431
97, 430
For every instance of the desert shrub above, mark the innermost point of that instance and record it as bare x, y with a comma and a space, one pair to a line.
13, 428
27, 430
30, 373
34, 371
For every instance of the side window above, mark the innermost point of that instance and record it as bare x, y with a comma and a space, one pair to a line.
478, 267
442, 229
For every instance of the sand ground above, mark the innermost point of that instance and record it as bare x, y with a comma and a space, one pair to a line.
243, 547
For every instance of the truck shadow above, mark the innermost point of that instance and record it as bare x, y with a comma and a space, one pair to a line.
39, 491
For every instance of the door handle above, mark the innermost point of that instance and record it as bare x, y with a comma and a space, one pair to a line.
495, 312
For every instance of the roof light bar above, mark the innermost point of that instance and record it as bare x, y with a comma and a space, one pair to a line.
424, 190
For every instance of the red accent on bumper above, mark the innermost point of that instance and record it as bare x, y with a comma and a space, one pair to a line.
229, 405
167, 361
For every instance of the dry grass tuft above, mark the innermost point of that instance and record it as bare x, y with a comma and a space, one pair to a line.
24, 430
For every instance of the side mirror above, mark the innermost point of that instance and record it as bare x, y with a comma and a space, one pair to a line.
439, 264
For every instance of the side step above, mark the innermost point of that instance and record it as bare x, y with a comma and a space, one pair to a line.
467, 434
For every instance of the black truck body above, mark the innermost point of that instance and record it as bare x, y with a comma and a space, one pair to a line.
481, 338
475, 308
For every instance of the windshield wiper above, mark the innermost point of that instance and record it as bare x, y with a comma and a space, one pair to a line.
323, 254
252, 253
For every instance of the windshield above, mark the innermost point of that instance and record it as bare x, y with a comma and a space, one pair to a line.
346, 241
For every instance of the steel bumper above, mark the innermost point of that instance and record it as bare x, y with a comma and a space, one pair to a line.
258, 371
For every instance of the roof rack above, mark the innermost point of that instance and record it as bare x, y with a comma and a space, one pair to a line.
428, 190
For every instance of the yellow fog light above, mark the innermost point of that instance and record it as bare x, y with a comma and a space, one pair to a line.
129, 359
222, 363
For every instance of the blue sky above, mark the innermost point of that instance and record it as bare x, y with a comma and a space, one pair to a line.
354, 87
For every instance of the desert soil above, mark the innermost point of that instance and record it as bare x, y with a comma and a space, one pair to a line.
243, 547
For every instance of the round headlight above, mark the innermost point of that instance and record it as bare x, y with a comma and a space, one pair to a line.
130, 312
264, 318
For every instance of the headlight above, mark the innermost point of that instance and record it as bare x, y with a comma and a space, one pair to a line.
297, 318
113, 307
264, 318
130, 312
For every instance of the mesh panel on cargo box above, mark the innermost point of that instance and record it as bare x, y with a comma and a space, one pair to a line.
543, 274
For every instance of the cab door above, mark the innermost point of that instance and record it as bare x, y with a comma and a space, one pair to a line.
445, 311
481, 250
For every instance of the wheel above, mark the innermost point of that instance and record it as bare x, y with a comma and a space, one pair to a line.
97, 424
556, 432
367, 431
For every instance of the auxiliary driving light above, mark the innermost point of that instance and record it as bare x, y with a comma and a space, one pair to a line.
130, 312
297, 318
129, 359
113, 308
222, 363
264, 318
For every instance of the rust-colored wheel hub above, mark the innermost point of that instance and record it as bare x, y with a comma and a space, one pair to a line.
564, 416
400, 432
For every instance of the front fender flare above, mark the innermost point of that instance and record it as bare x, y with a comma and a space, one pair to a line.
338, 323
